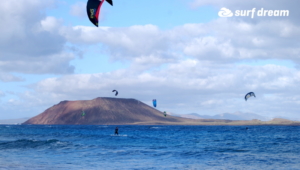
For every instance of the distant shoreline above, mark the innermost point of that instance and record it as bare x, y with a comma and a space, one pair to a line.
148, 125
233, 123
187, 122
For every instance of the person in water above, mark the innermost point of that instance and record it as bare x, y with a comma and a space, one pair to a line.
116, 131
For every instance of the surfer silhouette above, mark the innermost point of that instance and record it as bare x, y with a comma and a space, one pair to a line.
116, 131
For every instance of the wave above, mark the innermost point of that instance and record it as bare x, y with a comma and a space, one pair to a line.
156, 127
32, 143
103, 126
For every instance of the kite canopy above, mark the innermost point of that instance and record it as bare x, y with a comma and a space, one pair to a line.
110, 2
116, 92
154, 102
249, 95
93, 9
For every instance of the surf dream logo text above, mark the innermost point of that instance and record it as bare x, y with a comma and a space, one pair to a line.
224, 12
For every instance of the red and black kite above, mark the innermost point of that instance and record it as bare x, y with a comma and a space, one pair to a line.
93, 9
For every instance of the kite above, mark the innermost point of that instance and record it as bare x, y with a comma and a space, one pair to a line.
249, 95
154, 102
93, 9
116, 92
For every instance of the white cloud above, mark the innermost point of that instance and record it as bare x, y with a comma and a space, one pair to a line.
210, 48
29, 41
56, 64
200, 87
6, 77
222, 40
121, 42
51, 24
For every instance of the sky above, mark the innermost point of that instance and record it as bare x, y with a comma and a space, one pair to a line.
192, 56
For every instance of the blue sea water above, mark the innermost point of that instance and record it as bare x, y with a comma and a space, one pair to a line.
149, 147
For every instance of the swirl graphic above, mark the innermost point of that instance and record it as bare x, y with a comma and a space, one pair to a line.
224, 12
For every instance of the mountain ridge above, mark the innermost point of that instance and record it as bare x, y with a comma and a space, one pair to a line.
103, 110
230, 116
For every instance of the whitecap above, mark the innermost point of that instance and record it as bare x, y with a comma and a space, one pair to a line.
119, 135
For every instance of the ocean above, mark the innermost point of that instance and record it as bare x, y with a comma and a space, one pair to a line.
149, 147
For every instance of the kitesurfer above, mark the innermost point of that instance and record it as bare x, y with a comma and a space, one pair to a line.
116, 131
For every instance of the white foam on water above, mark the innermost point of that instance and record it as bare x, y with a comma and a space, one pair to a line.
156, 127
118, 135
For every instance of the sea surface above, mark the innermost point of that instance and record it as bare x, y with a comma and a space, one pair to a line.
149, 147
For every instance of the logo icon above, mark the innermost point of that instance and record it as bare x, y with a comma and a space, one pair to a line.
224, 12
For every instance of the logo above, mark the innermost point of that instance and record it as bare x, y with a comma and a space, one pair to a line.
224, 12
92, 11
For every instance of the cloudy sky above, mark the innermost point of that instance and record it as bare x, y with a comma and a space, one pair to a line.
183, 53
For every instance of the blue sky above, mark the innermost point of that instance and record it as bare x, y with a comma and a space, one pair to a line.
180, 52
166, 14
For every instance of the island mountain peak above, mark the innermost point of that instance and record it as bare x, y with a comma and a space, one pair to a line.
121, 111
101, 110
